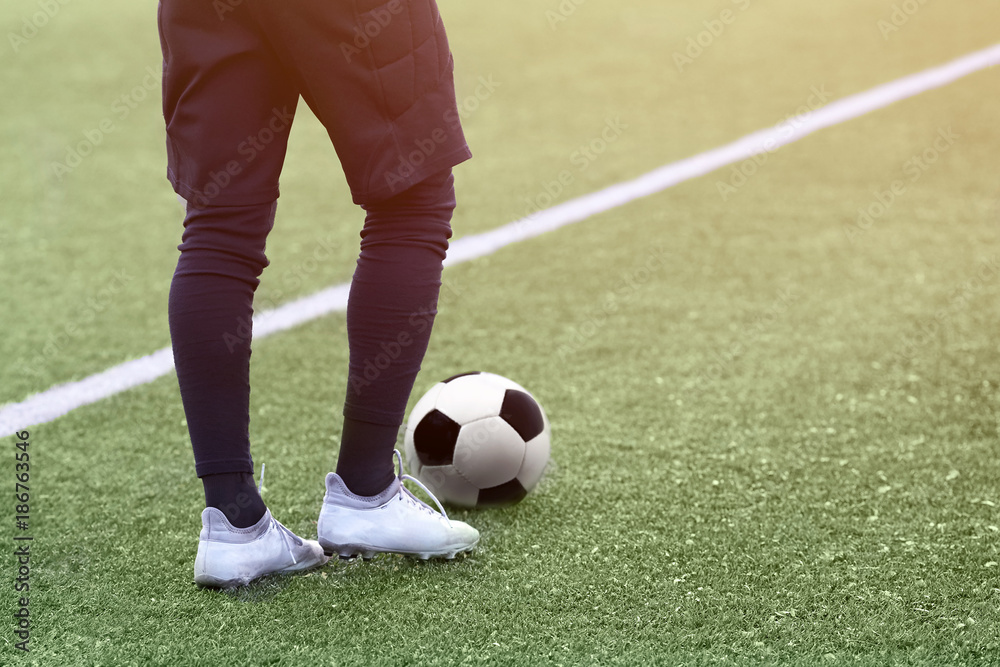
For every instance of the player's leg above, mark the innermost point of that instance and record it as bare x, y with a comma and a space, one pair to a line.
210, 310
228, 109
390, 313
388, 103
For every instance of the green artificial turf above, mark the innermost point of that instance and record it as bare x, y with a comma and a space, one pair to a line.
774, 431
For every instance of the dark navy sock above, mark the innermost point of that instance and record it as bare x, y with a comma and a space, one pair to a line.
390, 312
210, 311
366, 464
236, 495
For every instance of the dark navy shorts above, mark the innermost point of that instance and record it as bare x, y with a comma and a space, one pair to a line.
378, 75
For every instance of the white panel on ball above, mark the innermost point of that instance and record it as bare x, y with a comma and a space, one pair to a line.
488, 452
536, 456
412, 460
449, 486
424, 405
468, 398
505, 382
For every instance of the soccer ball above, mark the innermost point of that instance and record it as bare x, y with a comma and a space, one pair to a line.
477, 439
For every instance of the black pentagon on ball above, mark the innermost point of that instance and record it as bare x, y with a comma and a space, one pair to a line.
507, 493
434, 439
461, 375
522, 413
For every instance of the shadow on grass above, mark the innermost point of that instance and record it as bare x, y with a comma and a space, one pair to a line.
382, 572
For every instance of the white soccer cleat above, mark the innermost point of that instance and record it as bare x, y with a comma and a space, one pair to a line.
229, 556
394, 521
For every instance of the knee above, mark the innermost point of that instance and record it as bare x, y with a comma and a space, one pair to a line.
417, 217
227, 239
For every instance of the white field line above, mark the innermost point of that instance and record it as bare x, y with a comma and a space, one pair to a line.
61, 399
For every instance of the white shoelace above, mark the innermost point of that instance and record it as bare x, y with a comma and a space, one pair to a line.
402, 489
277, 525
